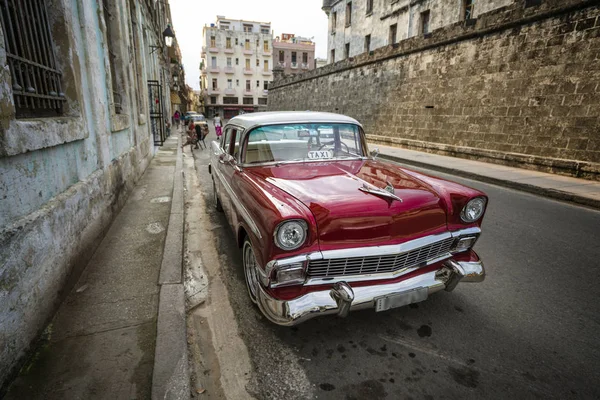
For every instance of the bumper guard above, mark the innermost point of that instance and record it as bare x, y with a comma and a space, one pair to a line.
342, 298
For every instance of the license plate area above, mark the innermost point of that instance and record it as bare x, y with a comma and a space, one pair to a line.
401, 299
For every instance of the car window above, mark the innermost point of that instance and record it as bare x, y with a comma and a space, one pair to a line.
226, 140
236, 143
297, 142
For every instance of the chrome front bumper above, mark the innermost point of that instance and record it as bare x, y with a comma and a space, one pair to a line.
342, 298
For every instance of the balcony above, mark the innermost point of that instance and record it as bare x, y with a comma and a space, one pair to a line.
294, 65
214, 91
214, 69
281, 64
265, 92
213, 49
267, 52
229, 50
267, 73
203, 53
248, 71
229, 70
248, 92
230, 91
248, 52
203, 71
304, 66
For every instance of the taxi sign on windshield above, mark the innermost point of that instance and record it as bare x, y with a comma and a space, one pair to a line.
319, 155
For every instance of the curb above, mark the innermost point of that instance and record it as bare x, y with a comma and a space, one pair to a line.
551, 193
171, 374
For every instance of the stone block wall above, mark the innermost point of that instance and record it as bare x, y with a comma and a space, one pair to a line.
519, 86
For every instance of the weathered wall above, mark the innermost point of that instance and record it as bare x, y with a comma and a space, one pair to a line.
520, 86
63, 179
405, 14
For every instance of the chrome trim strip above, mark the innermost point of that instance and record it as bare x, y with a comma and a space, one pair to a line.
323, 302
238, 205
386, 250
468, 231
263, 164
373, 277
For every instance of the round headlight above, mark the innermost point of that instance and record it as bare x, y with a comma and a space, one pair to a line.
290, 235
473, 210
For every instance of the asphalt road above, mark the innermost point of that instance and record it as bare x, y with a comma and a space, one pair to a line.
531, 330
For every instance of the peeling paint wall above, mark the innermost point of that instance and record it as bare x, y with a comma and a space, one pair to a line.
63, 179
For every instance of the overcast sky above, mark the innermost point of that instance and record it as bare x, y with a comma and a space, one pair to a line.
301, 17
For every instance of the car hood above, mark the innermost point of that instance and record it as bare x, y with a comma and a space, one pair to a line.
349, 217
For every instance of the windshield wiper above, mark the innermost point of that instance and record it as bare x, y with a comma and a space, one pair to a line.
387, 193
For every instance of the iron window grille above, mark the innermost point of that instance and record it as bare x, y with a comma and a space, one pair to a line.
469, 7
36, 79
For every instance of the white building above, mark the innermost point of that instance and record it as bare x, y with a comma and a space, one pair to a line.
236, 68
358, 26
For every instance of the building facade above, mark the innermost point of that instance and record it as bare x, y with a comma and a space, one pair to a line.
294, 54
359, 26
511, 89
84, 92
236, 67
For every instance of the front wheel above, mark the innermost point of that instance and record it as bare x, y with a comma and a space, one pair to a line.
250, 273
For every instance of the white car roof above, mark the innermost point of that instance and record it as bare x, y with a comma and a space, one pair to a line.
251, 120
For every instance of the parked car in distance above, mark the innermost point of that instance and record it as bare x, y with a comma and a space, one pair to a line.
198, 119
188, 115
326, 229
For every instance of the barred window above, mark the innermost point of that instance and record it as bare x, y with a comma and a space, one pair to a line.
36, 80
112, 57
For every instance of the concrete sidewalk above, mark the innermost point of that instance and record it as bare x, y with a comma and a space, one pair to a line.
559, 187
120, 333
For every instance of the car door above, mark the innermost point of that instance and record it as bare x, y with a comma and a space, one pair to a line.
227, 166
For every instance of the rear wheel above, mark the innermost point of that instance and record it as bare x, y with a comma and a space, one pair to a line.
250, 272
216, 200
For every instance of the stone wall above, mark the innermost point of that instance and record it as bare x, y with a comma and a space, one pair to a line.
64, 178
519, 86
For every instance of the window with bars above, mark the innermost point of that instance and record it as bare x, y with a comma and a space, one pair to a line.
468, 7
112, 57
36, 79
248, 100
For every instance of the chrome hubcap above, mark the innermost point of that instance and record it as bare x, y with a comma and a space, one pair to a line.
250, 270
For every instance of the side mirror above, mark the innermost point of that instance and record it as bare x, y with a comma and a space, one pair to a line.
375, 152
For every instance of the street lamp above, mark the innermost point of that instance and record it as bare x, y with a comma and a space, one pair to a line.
168, 35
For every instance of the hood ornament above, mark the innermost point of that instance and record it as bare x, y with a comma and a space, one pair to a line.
388, 192
390, 188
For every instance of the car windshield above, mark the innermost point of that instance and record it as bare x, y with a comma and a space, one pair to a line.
301, 142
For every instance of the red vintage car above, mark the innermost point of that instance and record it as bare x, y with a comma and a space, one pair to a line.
326, 228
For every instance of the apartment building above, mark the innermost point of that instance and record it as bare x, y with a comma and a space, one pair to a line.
358, 26
294, 54
236, 67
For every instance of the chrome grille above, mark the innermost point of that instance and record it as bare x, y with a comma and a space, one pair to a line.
379, 264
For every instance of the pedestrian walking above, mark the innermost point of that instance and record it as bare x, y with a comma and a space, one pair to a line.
217, 124
176, 118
